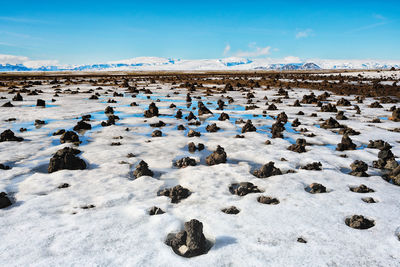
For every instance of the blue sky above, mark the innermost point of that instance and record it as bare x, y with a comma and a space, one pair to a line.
77, 32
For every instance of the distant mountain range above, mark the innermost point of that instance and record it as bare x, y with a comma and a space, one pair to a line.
233, 63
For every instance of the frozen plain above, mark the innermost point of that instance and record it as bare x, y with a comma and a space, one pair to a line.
47, 226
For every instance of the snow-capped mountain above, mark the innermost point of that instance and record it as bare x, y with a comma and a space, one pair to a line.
232, 63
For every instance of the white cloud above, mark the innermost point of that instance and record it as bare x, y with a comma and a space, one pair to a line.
304, 34
258, 51
14, 60
292, 59
227, 49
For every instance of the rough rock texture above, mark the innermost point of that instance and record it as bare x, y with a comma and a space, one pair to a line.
193, 133
189, 243
340, 115
243, 188
158, 124
156, 211
248, 127
9, 135
69, 137
231, 210
267, 170
17, 97
268, 200
330, 124
152, 111
359, 222
346, 144
379, 144
212, 128
361, 189
223, 116
316, 188
217, 157
359, 168
185, 162
4, 201
66, 159
203, 110
156, 133
192, 147
299, 147
176, 194
396, 115
82, 125
40, 103
277, 129
142, 169
315, 166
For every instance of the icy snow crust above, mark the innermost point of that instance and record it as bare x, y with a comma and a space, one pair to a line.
46, 226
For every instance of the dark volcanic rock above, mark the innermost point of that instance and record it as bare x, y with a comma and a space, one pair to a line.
40, 103
191, 116
142, 169
340, 115
69, 137
248, 127
156, 211
331, 123
203, 109
212, 128
189, 243
315, 188
217, 157
158, 124
361, 189
379, 144
268, 200
368, 200
7, 105
231, 210
192, 147
185, 162
82, 125
359, 222
152, 111
315, 166
267, 170
243, 188
9, 135
59, 132
396, 115
328, 108
176, 194
156, 133
223, 117
299, 147
193, 133
277, 129
4, 201
359, 168
66, 159
39, 122
18, 97
346, 144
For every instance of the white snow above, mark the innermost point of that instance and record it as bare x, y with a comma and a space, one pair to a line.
46, 226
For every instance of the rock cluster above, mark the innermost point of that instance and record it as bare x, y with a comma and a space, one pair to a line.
190, 242
345, 144
66, 159
359, 222
268, 200
243, 188
9, 135
315, 188
267, 170
299, 147
185, 162
176, 194
142, 169
359, 168
248, 127
152, 111
217, 157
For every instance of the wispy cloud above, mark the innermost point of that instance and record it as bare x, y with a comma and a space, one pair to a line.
304, 34
14, 60
382, 20
20, 20
255, 52
227, 49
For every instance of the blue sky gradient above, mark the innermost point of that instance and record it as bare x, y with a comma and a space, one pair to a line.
78, 32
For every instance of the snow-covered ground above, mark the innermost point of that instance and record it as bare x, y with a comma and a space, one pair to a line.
46, 226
